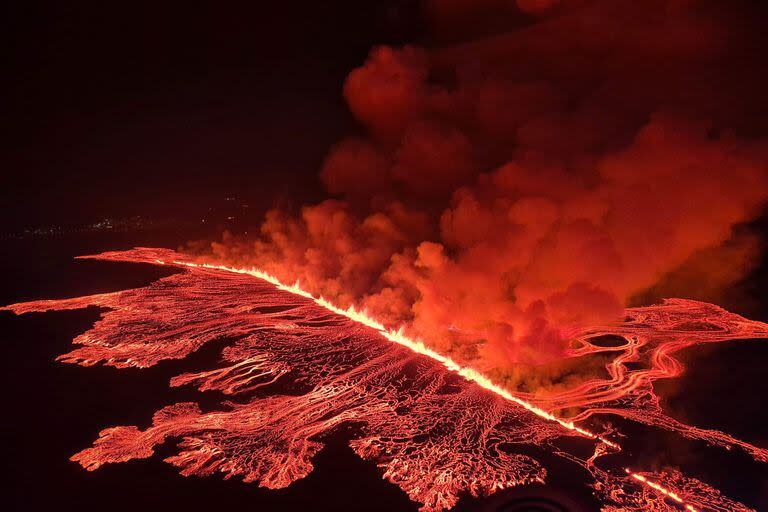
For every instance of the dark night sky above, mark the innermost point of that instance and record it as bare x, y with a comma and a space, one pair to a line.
158, 109
155, 108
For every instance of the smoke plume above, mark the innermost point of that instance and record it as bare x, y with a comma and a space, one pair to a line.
528, 175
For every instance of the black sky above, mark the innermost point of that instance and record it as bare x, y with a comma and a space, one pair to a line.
158, 108
155, 108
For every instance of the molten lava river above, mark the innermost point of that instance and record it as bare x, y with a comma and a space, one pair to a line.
436, 429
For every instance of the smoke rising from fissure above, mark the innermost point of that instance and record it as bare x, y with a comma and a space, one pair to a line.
514, 186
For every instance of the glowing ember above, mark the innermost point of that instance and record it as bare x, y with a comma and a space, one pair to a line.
436, 428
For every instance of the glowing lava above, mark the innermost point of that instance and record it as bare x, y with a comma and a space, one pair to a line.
436, 428
398, 337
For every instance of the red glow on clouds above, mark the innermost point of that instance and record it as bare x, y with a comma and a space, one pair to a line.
528, 180
513, 188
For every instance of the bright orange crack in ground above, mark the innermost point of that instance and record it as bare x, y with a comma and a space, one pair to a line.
398, 337
418, 346
434, 434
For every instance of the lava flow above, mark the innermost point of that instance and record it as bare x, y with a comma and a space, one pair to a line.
301, 367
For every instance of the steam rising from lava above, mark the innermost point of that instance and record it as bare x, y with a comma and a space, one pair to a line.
437, 429
513, 186
510, 192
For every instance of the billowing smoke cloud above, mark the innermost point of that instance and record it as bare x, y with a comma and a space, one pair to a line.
516, 184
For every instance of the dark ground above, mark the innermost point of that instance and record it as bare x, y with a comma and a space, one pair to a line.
53, 410
162, 110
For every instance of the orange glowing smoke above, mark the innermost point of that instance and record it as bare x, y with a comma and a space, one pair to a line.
398, 337
524, 177
436, 434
